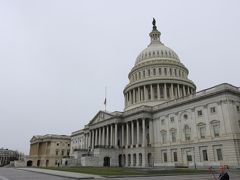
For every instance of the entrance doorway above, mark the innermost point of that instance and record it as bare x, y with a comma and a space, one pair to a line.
106, 161
29, 163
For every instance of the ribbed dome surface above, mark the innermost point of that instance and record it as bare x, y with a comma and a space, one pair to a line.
158, 51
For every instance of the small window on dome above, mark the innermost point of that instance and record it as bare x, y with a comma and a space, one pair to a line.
148, 72
161, 52
157, 52
170, 71
144, 73
166, 52
175, 72
153, 53
160, 71
145, 55
149, 54
165, 71
139, 75
154, 72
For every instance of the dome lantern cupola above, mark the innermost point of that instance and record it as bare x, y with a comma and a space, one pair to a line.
158, 76
155, 34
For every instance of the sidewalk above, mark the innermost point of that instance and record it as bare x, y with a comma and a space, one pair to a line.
65, 174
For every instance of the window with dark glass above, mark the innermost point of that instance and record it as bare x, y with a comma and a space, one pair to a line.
219, 154
165, 157
175, 157
205, 156
199, 113
212, 109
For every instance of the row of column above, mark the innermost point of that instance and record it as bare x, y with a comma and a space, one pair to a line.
130, 134
150, 92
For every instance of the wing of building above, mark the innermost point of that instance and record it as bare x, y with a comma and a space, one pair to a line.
165, 122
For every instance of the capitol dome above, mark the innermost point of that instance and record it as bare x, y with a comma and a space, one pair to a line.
158, 76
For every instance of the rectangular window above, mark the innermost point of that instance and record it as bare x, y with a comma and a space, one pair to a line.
239, 123
154, 72
160, 71
175, 157
216, 129
219, 154
172, 119
175, 72
205, 156
199, 113
173, 136
164, 137
148, 72
238, 109
165, 157
163, 122
212, 109
189, 157
143, 73
202, 132
62, 152
56, 152
165, 71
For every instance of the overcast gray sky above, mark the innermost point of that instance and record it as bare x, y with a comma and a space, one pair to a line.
56, 57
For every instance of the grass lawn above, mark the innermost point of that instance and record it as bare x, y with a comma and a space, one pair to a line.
118, 171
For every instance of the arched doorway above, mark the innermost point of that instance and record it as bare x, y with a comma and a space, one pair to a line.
47, 161
38, 163
29, 163
106, 161
150, 160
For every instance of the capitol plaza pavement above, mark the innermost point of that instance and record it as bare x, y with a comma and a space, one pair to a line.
42, 174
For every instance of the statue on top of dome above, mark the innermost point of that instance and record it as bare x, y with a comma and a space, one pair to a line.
154, 24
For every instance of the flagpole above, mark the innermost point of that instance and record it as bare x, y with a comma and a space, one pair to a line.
105, 102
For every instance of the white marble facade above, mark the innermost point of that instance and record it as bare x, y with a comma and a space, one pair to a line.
165, 121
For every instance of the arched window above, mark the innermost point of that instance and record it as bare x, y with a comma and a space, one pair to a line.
202, 130
187, 132
215, 128
173, 134
164, 137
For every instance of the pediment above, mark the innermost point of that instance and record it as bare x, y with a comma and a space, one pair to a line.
100, 116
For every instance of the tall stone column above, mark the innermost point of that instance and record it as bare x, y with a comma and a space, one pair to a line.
139, 95
107, 135
123, 143
184, 90
96, 137
178, 89
138, 133
103, 136
116, 135
151, 131
145, 93
143, 133
151, 91
111, 135
130, 97
127, 134
158, 92
165, 91
99, 136
134, 96
93, 135
132, 131
172, 94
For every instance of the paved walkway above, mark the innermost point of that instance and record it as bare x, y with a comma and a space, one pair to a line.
65, 174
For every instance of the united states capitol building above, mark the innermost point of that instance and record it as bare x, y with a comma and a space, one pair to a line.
165, 122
